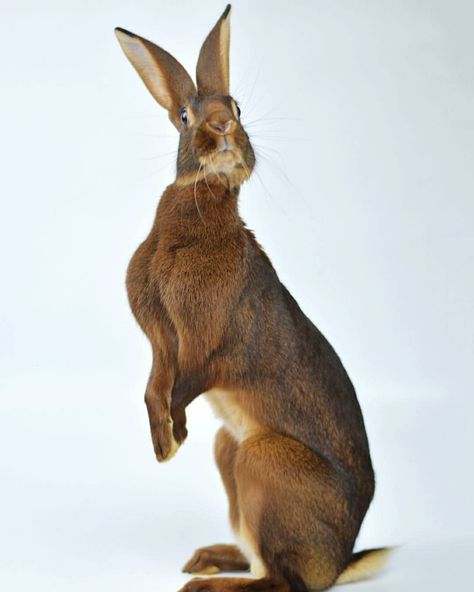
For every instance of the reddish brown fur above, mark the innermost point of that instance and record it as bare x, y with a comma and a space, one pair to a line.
293, 454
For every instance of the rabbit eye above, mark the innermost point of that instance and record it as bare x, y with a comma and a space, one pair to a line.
238, 110
183, 114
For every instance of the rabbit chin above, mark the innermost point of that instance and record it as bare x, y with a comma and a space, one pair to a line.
228, 163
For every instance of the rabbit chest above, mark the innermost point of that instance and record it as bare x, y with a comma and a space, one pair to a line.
200, 280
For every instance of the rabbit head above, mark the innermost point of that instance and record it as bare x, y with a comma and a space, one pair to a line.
212, 139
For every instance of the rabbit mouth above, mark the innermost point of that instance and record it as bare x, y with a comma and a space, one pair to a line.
228, 155
227, 162
225, 154
225, 145
221, 161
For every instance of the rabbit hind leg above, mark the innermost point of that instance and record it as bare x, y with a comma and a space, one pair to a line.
278, 485
216, 558
290, 512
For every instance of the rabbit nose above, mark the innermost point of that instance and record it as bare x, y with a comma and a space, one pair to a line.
221, 128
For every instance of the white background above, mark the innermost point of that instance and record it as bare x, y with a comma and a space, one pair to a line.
363, 120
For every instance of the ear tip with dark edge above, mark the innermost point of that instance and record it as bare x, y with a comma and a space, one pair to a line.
226, 12
122, 32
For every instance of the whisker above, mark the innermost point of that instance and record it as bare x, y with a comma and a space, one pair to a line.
273, 137
268, 119
260, 150
246, 169
211, 162
141, 116
168, 165
268, 194
195, 196
247, 96
205, 177
172, 153
160, 136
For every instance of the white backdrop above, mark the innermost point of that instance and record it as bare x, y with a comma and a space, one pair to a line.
362, 116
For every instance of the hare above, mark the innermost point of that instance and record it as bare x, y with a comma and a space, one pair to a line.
293, 452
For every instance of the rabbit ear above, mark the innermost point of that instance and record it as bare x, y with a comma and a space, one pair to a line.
163, 75
212, 71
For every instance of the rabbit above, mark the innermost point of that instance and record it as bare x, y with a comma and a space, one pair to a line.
293, 451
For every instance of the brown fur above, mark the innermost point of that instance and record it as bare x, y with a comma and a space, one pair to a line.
293, 454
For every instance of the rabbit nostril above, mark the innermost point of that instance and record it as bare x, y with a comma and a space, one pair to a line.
220, 128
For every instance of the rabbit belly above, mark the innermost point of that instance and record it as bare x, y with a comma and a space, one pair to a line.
226, 406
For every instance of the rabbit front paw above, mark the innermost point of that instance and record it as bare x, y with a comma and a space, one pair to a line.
164, 442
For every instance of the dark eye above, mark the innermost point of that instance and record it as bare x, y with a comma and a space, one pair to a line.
183, 114
238, 109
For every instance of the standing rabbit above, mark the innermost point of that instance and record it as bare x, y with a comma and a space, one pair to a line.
293, 452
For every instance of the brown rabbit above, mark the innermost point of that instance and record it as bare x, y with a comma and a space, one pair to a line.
293, 452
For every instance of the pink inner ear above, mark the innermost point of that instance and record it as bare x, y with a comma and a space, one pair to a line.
163, 75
